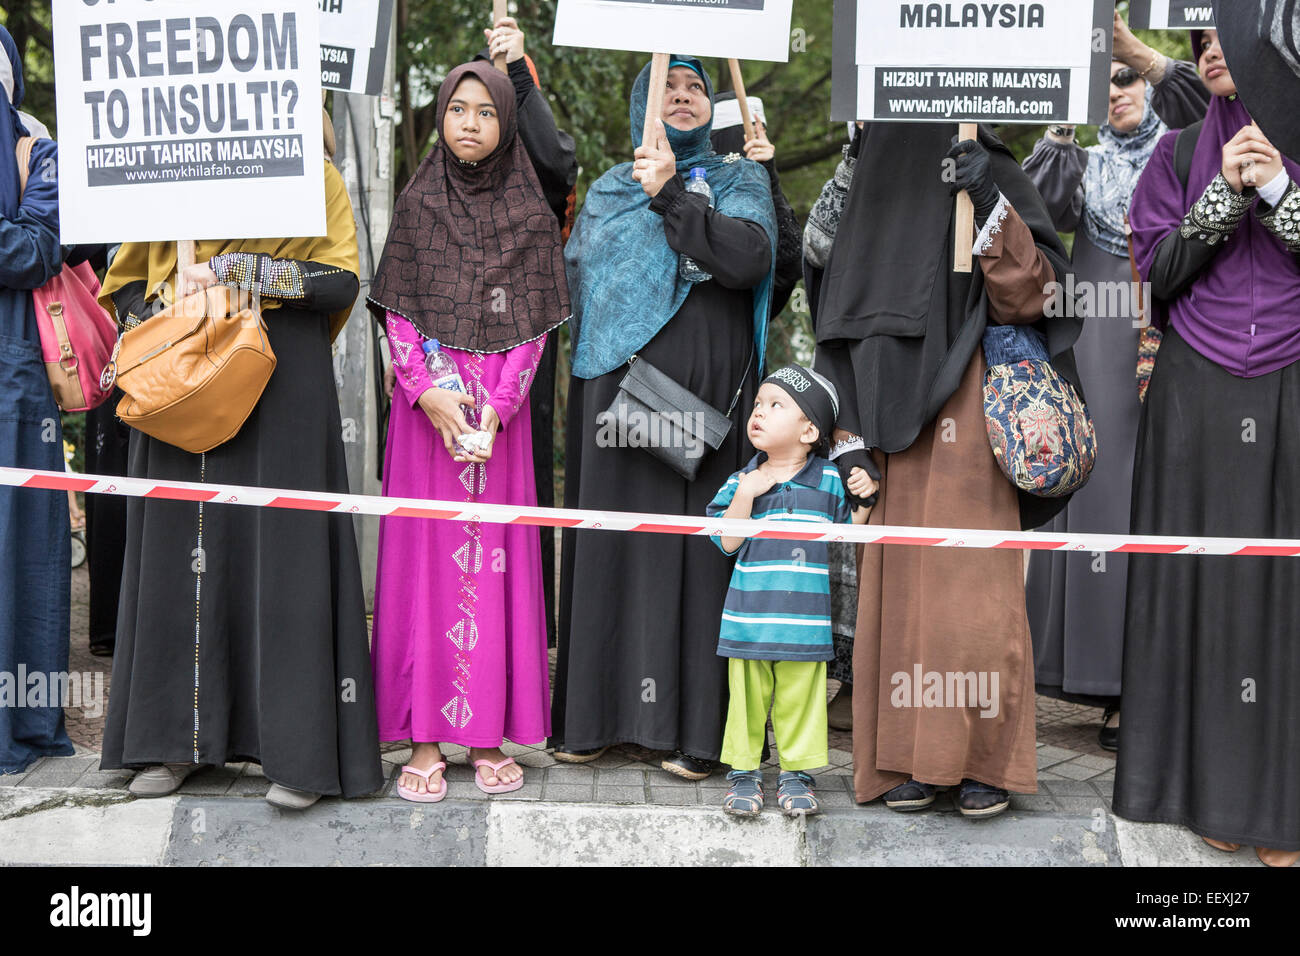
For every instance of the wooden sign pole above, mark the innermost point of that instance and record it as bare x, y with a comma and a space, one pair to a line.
499, 10
184, 259
654, 103
738, 84
965, 229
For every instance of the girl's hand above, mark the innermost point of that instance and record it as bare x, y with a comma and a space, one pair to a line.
655, 164
760, 149
491, 424
862, 484
390, 381
444, 410
196, 278
1250, 144
505, 38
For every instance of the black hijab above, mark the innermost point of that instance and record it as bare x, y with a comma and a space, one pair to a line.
890, 303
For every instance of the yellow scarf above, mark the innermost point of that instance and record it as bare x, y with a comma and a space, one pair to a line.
155, 262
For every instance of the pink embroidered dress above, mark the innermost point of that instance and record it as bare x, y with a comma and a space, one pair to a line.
459, 645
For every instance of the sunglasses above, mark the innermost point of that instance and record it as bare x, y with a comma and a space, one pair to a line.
1126, 77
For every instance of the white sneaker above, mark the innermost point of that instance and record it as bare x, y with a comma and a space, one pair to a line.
289, 799
161, 780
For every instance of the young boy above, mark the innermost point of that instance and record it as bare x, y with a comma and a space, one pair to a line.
776, 628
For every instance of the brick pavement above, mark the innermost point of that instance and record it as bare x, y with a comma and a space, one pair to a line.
1072, 767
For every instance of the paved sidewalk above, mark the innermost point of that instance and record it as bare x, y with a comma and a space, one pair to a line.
620, 808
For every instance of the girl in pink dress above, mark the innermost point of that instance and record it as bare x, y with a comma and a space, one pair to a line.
473, 261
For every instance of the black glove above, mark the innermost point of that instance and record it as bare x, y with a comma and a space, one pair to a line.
858, 458
855, 142
975, 175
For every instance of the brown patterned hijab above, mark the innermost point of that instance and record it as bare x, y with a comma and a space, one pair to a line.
474, 257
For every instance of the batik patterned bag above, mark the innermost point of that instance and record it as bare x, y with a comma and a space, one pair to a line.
1040, 430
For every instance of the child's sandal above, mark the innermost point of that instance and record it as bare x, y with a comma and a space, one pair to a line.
794, 794
745, 798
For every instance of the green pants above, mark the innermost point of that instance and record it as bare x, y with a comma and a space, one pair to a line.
798, 713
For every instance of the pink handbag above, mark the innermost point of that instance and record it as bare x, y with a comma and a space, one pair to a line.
77, 335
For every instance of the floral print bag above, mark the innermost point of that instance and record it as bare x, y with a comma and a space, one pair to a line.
1042, 435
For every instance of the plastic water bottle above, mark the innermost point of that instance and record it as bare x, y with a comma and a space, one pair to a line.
443, 371
698, 183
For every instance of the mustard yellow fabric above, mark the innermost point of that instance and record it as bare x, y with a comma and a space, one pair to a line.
155, 262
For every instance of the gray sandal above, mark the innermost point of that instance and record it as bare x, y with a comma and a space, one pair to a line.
794, 794
745, 798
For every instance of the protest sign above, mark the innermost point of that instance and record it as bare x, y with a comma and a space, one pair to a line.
1261, 43
181, 121
354, 44
1170, 14
744, 29
1044, 62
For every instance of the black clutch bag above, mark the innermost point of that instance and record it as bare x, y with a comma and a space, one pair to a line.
653, 412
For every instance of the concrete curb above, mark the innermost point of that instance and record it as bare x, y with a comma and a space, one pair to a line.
109, 828
83, 827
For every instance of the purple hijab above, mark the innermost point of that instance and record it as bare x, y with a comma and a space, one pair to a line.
1243, 311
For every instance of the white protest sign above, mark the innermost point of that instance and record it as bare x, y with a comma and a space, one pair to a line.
181, 120
1042, 62
1170, 14
354, 44
740, 29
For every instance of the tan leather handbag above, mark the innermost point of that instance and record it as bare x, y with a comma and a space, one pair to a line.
193, 373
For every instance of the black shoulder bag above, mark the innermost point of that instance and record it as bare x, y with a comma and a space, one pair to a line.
653, 412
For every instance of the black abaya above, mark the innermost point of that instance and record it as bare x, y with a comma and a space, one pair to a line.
242, 631
639, 613
1210, 643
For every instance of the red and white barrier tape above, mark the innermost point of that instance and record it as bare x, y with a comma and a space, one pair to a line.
629, 521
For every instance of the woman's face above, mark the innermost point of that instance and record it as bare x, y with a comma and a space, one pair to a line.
686, 101
471, 126
1213, 67
1127, 98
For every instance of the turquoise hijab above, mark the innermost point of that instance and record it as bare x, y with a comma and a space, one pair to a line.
623, 276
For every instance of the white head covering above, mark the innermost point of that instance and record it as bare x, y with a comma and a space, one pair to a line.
726, 113
34, 126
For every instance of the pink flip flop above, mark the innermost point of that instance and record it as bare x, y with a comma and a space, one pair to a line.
432, 796
494, 767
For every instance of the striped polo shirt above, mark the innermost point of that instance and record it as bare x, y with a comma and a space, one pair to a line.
778, 607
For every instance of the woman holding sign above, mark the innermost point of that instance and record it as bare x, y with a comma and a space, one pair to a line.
242, 631
470, 285
901, 331
639, 613
34, 560
1211, 716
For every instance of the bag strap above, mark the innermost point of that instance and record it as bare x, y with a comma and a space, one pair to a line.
23, 153
743, 378
1133, 266
1184, 147
735, 399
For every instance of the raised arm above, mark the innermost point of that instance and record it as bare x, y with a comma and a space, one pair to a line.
736, 252
1056, 168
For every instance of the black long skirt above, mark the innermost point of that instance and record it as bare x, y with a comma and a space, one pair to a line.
640, 613
107, 443
242, 631
1212, 644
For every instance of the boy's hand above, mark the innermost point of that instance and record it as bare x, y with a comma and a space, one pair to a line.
756, 483
863, 488
861, 484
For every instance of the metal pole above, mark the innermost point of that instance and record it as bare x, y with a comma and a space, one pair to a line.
363, 129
